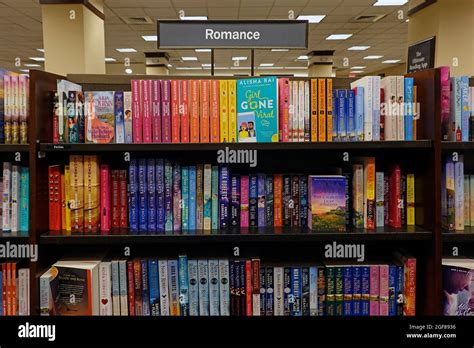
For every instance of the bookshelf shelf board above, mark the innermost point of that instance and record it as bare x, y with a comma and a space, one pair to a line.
418, 144
457, 145
14, 148
459, 236
266, 235
14, 237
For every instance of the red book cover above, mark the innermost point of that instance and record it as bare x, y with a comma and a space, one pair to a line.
4, 288
13, 283
54, 182
9, 289
166, 111
194, 94
248, 287
184, 109
382, 114
277, 200
136, 113
284, 102
204, 93
175, 121
131, 289
145, 97
123, 199
395, 218
256, 287
105, 213
137, 275
215, 112
115, 200
156, 110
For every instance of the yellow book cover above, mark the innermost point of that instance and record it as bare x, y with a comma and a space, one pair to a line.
314, 110
67, 197
63, 202
224, 111
410, 199
76, 169
329, 109
369, 178
321, 109
232, 111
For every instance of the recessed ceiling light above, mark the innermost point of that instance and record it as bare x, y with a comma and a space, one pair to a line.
169, 65
358, 48
338, 37
150, 37
32, 65
188, 68
189, 59
126, 50
110, 59
37, 59
193, 18
390, 2
311, 18
206, 65
391, 61
202, 50
296, 67
408, 19
356, 71
24, 70
373, 57
40, 50
271, 67
267, 64
128, 71
280, 50
303, 58
239, 58
358, 67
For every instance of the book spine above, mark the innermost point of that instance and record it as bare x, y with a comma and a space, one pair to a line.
399, 290
224, 115
379, 199
54, 197
286, 198
166, 110
295, 114
295, 197
296, 291
382, 114
119, 117
168, 176
115, 202
410, 287
156, 110
374, 309
458, 194
173, 285
184, 199
269, 201
244, 201
400, 114
303, 200
207, 197
278, 291
368, 111
234, 201
339, 291
386, 206
123, 291
192, 199
133, 196
261, 200
410, 201
177, 204
142, 197
283, 100
194, 111
24, 200
263, 291
175, 114
305, 291
215, 112
243, 288
409, 81
128, 117
313, 291
351, 114
193, 288
321, 285
224, 290
384, 290
203, 274
187, 90
199, 197
232, 85
269, 283
105, 216
151, 195
365, 290
137, 121
375, 108
392, 299
301, 110
445, 103
306, 113
329, 110
215, 198
15, 110
359, 113
214, 302
341, 114
314, 109
183, 285
277, 200
15, 198
395, 219
356, 291
145, 288
348, 283
369, 179
205, 111
105, 289
163, 285
322, 118
160, 196
335, 115
450, 195
137, 287
224, 185
232, 288
253, 212
131, 288
330, 300
255, 282
154, 288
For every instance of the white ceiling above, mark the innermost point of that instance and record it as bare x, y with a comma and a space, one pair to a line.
21, 32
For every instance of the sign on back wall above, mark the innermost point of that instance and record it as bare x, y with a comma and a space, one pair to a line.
233, 34
421, 55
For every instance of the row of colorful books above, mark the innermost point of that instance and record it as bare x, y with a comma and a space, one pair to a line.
458, 286
223, 287
14, 289
14, 107
161, 196
457, 196
14, 190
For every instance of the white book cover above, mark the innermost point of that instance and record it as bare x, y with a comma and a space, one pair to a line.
193, 288
301, 110
24, 291
389, 85
224, 295
123, 286
307, 113
173, 287
471, 196
376, 108
295, 104
46, 297
313, 291
6, 203
64, 86
379, 199
214, 303
115, 288
401, 109
14, 98
203, 274
278, 291
15, 198
467, 201
366, 83
105, 288
459, 194
164, 294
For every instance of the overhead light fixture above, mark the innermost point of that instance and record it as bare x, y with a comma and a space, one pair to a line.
189, 59
303, 58
239, 58
37, 59
338, 37
391, 61
295, 67
202, 50
267, 64
357, 71
311, 18
271, 67
33, 65
239, 67
358, 67
280, 50
390, 2
126, 50
206, 65
128, 71
188, 68
40, 50
110, 59
373, 57
358, 48
169, 65
193, 18
150, 37
408, 19
25, 71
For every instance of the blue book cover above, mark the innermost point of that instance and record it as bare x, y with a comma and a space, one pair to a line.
192, 199
313, 291
263, 291
465, 112
356, 290
193, 288
160, 196
142, 197
335, 115
24, 199
235, 201
303, 200
224, 185
168, 197
203, 274
392, 300
261, 200
133, 195
296, 291
341, 114
119, 118
269, 200
269, 287
153, 285
207, 197
365, 290
183, 285
305, 286
242, 287
185, 199
253, 214
176, 198
399, 287
257, 109
350, 126
287, 296
409, 81
145, 289
359, 113
348, 305
150, 178
215, 198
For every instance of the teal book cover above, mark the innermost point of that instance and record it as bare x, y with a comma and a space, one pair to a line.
257, 110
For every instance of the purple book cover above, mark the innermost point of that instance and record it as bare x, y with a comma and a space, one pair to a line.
156, 110
166, 111
176, 198
261, 200
160, 196
235, 201
224, 186
445, 100
168, 197
458, 287
244, 201
253, 215
303, 200
133, 196
142, 197
150, 178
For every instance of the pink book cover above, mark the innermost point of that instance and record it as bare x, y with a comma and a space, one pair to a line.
145, 96
283, 100
136, 114
383, 285
244, 201
156, 110
445, 86
175, 117
165, 111
374, 308
105, 213
184, 109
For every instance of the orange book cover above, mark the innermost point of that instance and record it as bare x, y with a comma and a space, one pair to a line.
215, 111
314, 110
9, 290
175, 121
322, 110
194, 93
184, 109
277, 200
14, 289
204, 89
329, 109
